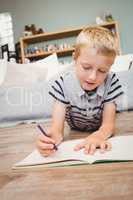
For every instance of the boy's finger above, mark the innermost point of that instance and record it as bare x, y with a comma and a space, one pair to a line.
46, 139
109, 146
105, 146
92, 149
46, 152
87, 148
79, 146
102, 147
45, 146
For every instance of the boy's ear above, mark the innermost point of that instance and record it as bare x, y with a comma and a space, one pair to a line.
74, 56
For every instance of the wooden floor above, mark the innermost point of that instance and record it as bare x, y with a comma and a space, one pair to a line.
98, 181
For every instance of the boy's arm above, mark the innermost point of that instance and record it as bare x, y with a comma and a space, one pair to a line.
45, 143
108, 120
98, 138
58, 119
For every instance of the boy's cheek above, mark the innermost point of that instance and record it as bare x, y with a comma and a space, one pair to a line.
101, 79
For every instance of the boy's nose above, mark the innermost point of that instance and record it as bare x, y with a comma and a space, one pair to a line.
92, 75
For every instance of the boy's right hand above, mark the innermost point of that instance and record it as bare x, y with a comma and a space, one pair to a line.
45, 144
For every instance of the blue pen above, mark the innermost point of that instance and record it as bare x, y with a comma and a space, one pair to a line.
44, 133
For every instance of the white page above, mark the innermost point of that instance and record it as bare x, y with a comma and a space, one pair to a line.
65, 152
122, 149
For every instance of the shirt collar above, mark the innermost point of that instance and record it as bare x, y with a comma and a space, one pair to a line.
101, 89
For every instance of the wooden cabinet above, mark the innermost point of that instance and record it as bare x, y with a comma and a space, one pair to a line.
37, 42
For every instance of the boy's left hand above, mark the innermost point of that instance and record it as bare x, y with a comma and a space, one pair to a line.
92, 142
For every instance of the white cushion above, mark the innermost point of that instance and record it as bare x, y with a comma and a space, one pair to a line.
122, 63
125, 102
65, 67
3, 68
52, 67
27, 74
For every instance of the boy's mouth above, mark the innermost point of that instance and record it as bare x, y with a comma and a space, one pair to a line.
90, 82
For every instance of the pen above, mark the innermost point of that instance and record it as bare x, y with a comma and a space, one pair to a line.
44, 133
130, 64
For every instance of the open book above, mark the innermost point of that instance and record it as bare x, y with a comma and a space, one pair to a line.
122, 150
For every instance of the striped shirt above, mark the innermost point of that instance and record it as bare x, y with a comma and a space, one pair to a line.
84, 109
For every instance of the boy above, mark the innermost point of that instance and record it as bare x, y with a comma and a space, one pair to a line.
86, 95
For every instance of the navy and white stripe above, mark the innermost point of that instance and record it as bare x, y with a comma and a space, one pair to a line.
114, 90
84, 109
57, 91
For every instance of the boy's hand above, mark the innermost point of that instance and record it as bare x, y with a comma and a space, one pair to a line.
45, 144
92, 142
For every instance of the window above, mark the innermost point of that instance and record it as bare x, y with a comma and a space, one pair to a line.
6, 31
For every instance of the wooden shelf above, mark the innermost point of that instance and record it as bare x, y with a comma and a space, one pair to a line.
49, 36
65, 52
60, 34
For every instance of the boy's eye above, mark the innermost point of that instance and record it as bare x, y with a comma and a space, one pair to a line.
102, 71
86, 67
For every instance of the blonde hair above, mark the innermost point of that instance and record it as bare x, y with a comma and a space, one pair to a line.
99, 38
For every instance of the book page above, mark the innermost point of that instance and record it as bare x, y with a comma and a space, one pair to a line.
65, 152
122, 148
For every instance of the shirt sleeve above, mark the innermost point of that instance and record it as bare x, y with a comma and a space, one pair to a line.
114, 90
57, 90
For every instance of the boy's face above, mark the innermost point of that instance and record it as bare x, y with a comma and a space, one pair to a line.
92, 68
